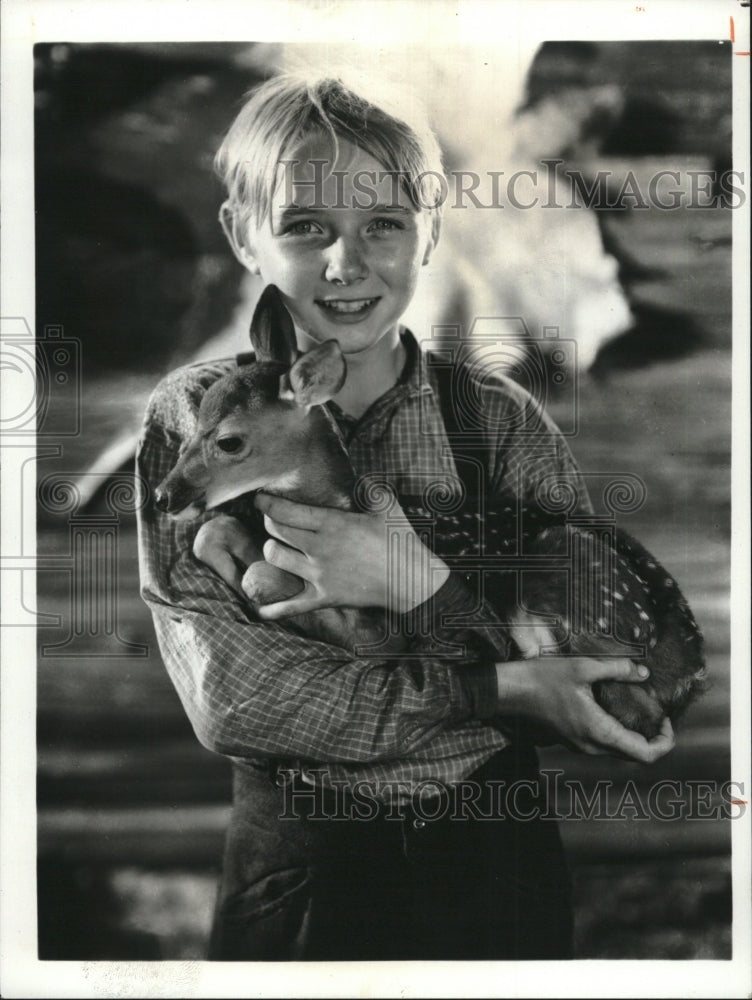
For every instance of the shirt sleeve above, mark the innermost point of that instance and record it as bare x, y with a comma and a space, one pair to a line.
529, 457
481, 631
254, 688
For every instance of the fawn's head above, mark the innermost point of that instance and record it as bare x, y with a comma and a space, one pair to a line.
259, 427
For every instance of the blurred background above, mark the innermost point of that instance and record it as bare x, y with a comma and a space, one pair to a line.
134, 277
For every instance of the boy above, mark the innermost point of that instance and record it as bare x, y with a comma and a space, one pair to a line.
336, 200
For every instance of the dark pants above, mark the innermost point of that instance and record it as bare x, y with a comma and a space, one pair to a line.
474, 883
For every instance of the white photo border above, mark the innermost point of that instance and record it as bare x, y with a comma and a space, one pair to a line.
25, 23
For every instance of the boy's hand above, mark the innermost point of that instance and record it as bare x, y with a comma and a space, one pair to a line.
558, 692
347, 559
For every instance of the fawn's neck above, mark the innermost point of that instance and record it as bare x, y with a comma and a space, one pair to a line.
323, 476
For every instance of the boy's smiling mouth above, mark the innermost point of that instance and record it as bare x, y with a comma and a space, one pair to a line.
347, 309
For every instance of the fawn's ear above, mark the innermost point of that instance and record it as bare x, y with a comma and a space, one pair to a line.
272, 330
316, 376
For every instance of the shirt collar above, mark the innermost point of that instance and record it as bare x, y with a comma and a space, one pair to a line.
413, 381
415, 373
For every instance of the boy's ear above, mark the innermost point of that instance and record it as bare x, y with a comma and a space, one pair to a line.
230, 228
433, 238
272, 329
248, 260
316, 376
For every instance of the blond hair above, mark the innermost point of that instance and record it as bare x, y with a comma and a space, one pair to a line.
287, 109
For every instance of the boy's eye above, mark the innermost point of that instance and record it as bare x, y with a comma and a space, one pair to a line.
303, 228
385, 225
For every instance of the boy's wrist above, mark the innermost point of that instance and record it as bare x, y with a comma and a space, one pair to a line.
425, 577
449, 596
515, 687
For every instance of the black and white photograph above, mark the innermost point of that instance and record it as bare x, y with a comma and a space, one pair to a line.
375, 557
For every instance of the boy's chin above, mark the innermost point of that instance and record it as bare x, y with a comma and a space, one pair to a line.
359, 338
353, 346
353, 337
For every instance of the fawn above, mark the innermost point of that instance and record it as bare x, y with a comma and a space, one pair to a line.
263, 426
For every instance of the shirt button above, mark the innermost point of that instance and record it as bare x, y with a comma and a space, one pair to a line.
418, 824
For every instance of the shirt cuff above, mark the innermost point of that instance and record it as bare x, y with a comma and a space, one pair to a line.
480, 686
452, 598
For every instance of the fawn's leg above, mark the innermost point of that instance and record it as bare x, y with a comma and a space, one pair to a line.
263, 583
226, 545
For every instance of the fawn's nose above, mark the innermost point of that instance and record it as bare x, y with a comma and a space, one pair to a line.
161, 499
345, 262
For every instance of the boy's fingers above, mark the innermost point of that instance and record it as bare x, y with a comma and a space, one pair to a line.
305, 601
296, 537
612, 738
615, 670
296, 515
625, 743
664, 741
283, 557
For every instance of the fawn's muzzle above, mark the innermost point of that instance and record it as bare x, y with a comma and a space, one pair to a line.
179, 498
161, 500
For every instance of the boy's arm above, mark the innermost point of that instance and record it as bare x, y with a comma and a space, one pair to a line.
252, 688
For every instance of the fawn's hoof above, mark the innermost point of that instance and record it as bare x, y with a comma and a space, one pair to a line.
266, 584
632, 704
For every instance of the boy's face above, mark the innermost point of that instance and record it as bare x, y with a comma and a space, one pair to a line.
345, 252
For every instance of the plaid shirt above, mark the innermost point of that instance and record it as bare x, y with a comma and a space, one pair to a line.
255, 689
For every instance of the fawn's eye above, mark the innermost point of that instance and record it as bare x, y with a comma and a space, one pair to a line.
230, 445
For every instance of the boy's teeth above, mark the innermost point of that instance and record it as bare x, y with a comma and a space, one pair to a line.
348, 307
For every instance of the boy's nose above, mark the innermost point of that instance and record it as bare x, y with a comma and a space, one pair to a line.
345, 262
